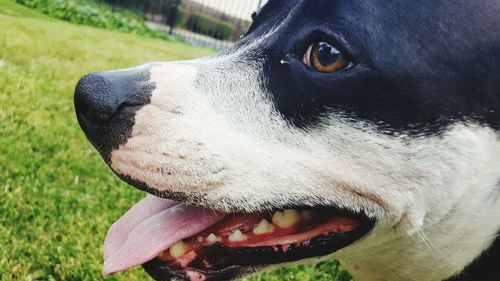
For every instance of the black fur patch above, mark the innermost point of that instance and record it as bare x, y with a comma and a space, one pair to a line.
419, 66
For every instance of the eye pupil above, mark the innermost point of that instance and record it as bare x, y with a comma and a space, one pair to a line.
327, 54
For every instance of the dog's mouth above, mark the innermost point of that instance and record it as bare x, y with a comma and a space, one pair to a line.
174, 241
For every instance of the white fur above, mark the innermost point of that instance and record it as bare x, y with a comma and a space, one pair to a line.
211, 132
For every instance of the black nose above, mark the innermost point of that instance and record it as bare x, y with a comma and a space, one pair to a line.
106, 103
98, 96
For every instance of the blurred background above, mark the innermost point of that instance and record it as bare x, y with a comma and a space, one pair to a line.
208, 23
212, 23
57, 198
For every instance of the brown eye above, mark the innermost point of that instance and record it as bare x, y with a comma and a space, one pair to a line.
325, 58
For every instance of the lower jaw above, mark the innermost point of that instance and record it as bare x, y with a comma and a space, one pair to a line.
219, 262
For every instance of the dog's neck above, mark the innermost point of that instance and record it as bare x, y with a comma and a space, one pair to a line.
486, 268
429, 267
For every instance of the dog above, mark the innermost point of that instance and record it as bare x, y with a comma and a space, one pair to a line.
362, 131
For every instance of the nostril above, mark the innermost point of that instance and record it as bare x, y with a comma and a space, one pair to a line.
94, 101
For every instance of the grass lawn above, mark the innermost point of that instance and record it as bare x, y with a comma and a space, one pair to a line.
57, 199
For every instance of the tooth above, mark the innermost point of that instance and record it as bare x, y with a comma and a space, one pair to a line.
212, 238
237, 236
307, 215
179, 250
264, 227
285, 248
286, 219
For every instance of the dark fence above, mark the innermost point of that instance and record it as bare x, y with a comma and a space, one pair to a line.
211, 23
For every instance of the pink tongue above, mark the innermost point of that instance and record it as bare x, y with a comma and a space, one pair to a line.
151, 227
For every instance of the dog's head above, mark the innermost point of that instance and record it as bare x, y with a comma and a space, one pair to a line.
374, 124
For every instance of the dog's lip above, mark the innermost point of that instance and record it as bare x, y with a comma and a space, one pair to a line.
158, 270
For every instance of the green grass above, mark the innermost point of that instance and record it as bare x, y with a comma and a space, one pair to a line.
57, 198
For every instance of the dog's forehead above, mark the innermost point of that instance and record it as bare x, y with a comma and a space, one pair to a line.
428, 69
